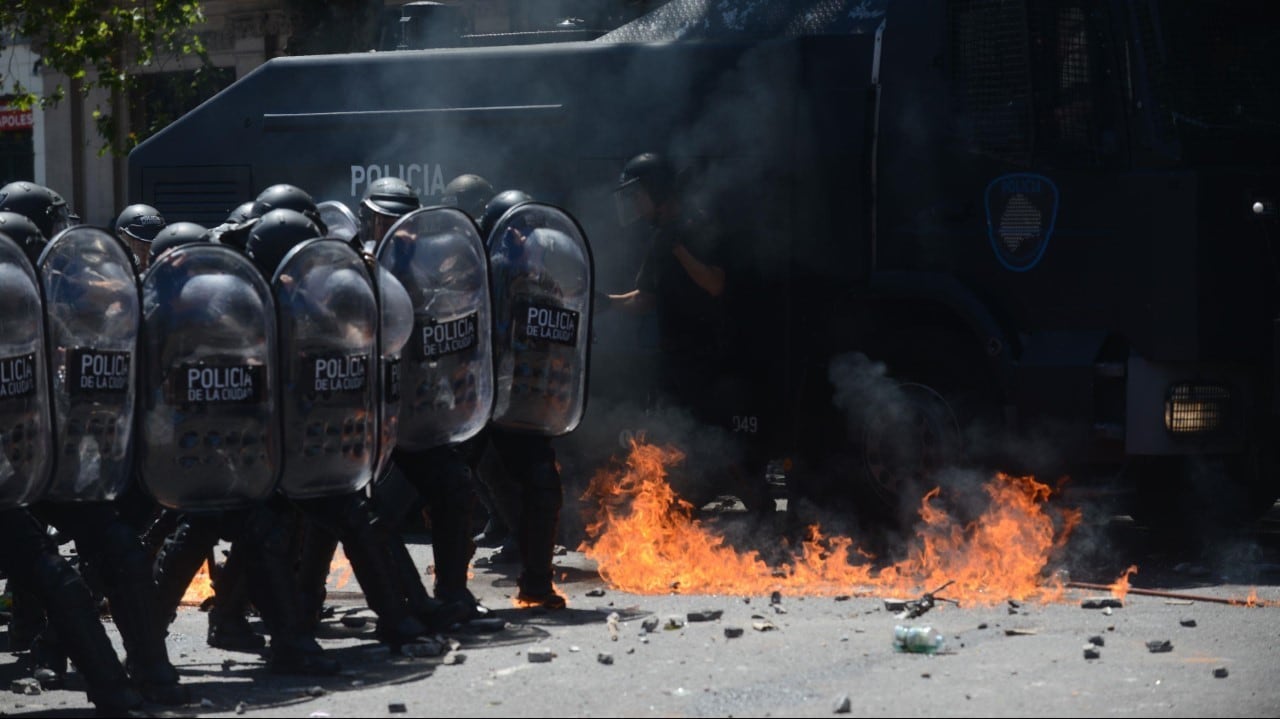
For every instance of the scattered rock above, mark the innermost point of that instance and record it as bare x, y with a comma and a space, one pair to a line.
454, 659
763, 626
982, 625
779, 609
48, 678
1107, 611
560, 550
674, 623
423, 649
775, 598
1091, 652
354, 621
650, 624
612, 623
227, 664
1159, 646
1013, 604
316, 691
895, 605
1101, 603
1220, 672
926, 675
541, 655
733, 632
26, 686
1013, 610
241, 707
207, 703
1020, 632
1187, 622
1097, 641
597, 592
706, 615
318, 714
843, 705
396, 708
357, 682
604, 658
573, 649
842, 597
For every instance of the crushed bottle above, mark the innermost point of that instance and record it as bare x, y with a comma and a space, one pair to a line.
917, 640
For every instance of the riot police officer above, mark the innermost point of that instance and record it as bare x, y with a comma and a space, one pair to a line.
138, 226
77, 504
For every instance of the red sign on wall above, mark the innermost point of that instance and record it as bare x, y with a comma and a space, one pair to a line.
15, 120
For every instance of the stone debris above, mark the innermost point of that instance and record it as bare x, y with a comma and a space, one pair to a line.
612, 623
1107, 611
842, 705
318, 714
895, 605
1101, 603
650, 624
733, 632
454, 659
1097, 641
1021, 632
227, 664
1091, 652
207, 703
574, 649
706, 615
354, 621
763, 625
674, 622
540, 655
775, 598
604, 658
1187, 622
1159, 646
842, 597
779, 609
423, 649
241, 707
597, 592
316, 691
1220, 672
26, 686
397, 708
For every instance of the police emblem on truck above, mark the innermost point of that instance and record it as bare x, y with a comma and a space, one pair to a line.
1021, 211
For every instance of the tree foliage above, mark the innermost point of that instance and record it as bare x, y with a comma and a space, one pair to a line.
98, 44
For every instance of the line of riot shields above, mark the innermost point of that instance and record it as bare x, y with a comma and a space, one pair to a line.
215, 386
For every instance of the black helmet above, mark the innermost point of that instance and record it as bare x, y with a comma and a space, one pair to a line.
242, 213
385, 200
468, 193
274, 234
497, 207
287, 197
138, 225
37, 203
650, 171
25, 233
179, 233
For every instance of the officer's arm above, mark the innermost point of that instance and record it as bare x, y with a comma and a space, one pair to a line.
633, 301
709, 277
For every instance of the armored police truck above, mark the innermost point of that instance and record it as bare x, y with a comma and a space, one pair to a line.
1034, 236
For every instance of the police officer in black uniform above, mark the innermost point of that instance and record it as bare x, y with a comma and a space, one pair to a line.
103, 540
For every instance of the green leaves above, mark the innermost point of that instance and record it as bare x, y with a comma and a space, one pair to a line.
99, 44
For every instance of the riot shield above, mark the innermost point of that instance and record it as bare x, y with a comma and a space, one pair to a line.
25, 432
542, 274
93, 312
209, 435
327, 316
340, 221
395, 326
446, 375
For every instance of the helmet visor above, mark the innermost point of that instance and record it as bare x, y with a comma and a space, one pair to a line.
631, 203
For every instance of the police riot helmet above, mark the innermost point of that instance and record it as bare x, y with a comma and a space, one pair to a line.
468, 193
385, 200
138, 226
179, 233
23, 232
37, 203
274, 234
497, 207
287, 197
242, 213
651, 171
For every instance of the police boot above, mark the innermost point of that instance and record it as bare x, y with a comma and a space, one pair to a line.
178, 561
539, 526
435, 614
48, 659
264, 544
72, 610
318, 549
368, 550
135, 609
451, 541
228, 624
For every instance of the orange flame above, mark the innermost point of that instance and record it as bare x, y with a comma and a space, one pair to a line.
1120, 587
645, 540
201, 586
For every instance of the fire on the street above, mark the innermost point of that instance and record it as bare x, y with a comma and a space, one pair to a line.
645, 540
201, 586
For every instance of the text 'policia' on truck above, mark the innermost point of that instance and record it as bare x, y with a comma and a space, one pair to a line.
1040, 234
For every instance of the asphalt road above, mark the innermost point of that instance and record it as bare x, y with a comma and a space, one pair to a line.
797, 656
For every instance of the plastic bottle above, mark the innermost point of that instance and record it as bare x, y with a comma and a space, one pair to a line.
917, 640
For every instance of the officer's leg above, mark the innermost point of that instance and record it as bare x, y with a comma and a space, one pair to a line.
228, 624
443, 478
318, 548
186, 548
27, 556
490, 474
261, 538
532, 461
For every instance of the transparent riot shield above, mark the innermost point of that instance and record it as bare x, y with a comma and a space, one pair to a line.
446, 375
327, 317
542, 274
25, 431
338, 219
93, 312
396, 324
209, 435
